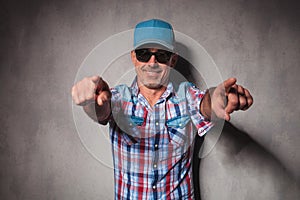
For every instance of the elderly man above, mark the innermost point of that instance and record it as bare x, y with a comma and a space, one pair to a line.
153, 122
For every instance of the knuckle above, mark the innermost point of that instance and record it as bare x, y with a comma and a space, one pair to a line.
234, 101
250, 102
242, 91
243, 102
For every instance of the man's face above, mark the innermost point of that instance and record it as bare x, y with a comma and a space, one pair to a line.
152, 66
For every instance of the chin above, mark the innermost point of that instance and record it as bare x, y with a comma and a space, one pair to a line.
153, 85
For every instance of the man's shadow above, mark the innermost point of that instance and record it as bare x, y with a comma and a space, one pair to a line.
231, 143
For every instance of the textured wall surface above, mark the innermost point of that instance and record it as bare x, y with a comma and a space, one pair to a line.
43, 44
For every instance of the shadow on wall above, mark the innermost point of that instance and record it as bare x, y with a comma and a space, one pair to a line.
238, 167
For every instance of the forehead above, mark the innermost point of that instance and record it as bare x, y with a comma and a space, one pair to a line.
153, 49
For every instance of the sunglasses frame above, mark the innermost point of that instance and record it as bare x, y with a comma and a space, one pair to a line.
162, 56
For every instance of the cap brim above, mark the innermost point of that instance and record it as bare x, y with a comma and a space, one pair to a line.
154, 44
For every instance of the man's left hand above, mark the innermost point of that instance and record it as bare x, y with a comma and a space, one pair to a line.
229, 97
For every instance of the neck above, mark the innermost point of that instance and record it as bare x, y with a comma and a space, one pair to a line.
152, 95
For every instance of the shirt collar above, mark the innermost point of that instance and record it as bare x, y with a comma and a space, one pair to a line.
134, 87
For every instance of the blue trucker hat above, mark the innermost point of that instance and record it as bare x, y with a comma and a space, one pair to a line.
154, 32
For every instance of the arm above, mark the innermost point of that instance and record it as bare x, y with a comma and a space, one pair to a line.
205, 105
93, 94
223, 100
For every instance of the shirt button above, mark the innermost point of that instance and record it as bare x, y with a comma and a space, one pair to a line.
156, 145
154, 187
156, 123
155, 166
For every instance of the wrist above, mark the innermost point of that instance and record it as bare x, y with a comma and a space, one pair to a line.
206, 105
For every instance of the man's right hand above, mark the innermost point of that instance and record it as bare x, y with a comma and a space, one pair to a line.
89, 90
94, 95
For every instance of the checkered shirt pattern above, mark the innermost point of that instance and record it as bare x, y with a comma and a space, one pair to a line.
153, 146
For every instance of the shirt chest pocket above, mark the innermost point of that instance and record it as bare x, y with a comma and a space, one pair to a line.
178, 129
133, 130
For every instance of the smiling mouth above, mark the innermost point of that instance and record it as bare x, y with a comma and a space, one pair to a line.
152, 72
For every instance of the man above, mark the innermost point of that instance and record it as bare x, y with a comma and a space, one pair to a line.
153, 122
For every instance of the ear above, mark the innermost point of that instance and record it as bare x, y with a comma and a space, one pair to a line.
133, 56
174, 60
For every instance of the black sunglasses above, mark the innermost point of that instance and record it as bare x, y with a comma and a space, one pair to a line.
144, 55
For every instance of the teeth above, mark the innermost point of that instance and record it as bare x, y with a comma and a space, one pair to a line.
153, 71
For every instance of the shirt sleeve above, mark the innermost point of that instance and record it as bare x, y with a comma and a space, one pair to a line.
194, 97
120, 96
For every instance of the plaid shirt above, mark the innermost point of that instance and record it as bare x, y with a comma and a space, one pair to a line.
153, 146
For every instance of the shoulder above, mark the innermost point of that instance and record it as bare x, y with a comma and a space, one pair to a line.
185, 87
189, 91
122, 91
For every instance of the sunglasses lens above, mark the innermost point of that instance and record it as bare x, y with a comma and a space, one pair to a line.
144, 55
163, 56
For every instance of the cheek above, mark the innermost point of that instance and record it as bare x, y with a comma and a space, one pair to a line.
166, 70
138, 70
137, 67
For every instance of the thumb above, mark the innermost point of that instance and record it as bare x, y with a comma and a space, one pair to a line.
227, 116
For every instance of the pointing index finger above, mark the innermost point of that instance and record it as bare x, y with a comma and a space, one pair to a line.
95, 79
228, 84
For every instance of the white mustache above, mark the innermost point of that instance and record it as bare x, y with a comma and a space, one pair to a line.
154, 68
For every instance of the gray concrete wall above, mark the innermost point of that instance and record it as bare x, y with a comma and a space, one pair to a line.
43, 44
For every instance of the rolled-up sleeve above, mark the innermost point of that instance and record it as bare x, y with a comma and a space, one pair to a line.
194, 97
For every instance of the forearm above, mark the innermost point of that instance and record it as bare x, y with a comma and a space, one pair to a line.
205, 105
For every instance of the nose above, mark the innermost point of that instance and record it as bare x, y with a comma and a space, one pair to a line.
152, 60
